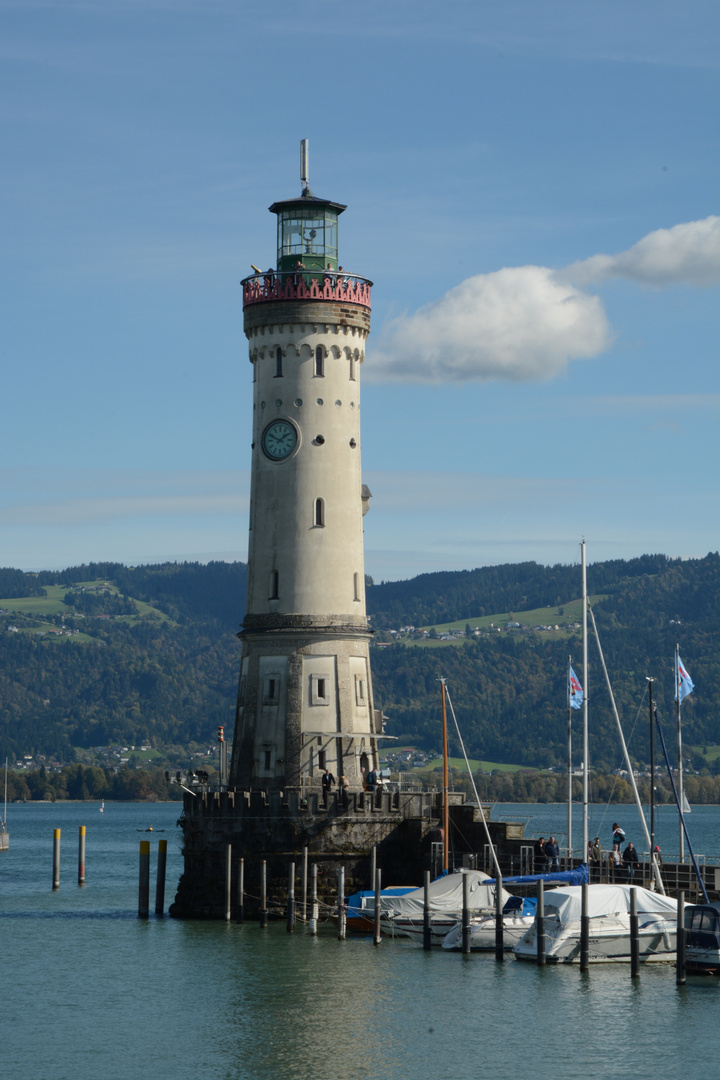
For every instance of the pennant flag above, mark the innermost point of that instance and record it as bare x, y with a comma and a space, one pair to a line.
684, 683
576, 691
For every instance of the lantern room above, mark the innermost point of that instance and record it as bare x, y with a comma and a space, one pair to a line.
307, 233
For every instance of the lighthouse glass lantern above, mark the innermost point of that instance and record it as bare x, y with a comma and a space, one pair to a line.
307, 232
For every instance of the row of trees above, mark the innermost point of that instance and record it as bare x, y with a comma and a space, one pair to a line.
90, 782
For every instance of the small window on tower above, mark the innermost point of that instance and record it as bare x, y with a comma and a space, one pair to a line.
274, 584
359, 690
352, 369
271, 690
319, 690
278, 364
268, 760
322, 760
319, 362
319, 519
356, 586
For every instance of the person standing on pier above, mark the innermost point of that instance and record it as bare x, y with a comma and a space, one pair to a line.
328, 782
618, 834
552, 854
630, 859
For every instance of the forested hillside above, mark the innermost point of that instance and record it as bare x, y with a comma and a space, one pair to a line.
104, 653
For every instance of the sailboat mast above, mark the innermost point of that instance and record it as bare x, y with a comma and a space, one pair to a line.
679, 747
569, 758
652, 771
446, 813
585, 703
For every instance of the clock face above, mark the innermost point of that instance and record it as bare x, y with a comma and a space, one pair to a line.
279, 440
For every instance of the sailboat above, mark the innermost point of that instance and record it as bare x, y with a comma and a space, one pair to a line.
102, 807
4, 834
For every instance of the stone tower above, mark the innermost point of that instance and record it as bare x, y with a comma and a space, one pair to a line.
305, 695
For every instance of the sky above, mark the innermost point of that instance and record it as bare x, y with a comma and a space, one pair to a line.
531, 186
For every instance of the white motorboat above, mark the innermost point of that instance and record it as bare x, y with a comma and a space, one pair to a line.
404, 915
609, 913
518, 917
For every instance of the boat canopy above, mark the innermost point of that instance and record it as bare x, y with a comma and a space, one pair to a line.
446, 895
578, 876
566, 903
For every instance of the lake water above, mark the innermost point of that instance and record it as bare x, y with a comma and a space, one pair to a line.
89, 991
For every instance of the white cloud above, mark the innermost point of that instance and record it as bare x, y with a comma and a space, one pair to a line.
518, 324
685, 254
527, 323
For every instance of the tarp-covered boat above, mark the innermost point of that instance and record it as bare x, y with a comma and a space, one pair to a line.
403, 915
609, 913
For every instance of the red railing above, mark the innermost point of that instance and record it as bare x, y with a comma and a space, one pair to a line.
296, 285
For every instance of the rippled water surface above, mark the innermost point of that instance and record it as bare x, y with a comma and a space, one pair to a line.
90, 992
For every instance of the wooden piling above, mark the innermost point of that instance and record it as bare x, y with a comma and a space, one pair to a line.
499, 923
81, 855
680, 956
465, 915
291, 899
263, 895
427, 930
144, 886
56, 859
240, 915
373, 865
584, 930
540, 924
304, 884
313, 900
341, 928
377, 937
160, 882
634, 935
228, 882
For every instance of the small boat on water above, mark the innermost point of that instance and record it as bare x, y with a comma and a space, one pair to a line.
609, 913
518, 917
403, 916
360, 907
702, 939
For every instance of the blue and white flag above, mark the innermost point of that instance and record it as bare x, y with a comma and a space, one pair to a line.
576, 691
685, 685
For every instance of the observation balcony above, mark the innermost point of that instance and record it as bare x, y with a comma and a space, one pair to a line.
303, 284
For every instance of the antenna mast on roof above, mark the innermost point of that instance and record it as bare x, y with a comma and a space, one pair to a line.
304, 167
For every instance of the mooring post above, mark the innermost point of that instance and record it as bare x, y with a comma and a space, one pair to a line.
341, 904
144, 888
680, 958
160, 882
465, 915
313, 900
378, 889
427, 930
56, 859
373, 865
241, 891
263, 895
81, 855
634, 935
304, 884
228, 882
499, 924
584, 930
540, 923
291, 899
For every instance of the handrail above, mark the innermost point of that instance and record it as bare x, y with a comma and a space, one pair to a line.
306, 285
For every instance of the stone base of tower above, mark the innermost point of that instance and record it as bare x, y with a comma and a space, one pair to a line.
275, 827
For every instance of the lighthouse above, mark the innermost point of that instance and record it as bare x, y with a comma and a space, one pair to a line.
305, 699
